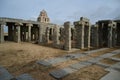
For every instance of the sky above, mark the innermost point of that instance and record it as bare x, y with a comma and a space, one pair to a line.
60, 11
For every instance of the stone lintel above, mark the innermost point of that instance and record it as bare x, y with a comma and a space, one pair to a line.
29, 25
18, 24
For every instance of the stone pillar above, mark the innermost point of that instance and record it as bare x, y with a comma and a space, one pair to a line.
10, 32
18, 37
41, 31
96, 37
114, 35
109, 35
100, 32
47, 34
29, 31
82, 36
79, 35
67, 44
2, 32
56, 35
24, 33
89, 31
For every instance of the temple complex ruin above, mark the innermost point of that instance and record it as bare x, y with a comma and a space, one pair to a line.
81, 35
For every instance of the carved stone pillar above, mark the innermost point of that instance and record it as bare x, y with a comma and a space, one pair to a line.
109, 35
18, 37
2, 24
29, 31
67, 44
56, 35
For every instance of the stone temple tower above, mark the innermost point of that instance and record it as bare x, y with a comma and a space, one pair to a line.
43, 17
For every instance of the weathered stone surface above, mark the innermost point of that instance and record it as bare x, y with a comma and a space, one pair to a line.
67, 44
24, 77
58, 74
74, 56
114, 58
112, 75
107, 55
80, 65
4, 74
95, 60
103, 64
116, 51
44, 63
116, 66
56, 60
97, 50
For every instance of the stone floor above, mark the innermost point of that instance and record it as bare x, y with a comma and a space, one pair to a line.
114, 69
5, 75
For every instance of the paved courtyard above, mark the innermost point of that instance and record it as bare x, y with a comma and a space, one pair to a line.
104, 63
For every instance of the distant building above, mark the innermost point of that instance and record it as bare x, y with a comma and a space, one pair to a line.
43, 17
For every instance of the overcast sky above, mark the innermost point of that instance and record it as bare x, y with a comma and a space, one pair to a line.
60, 11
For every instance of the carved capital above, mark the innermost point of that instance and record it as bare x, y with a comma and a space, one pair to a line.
18, 24
29, 25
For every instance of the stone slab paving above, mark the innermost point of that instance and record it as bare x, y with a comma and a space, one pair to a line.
116, 51
97, 50
103, 64
80, 65
95, 60
107, 55
112, 75
24, 77
58, 74
116, 66
44, 63
61, 73
53, 61
50, 62
114, 58
4, 74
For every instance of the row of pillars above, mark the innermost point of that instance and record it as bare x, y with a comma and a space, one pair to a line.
99, 35
14, 32
82, 34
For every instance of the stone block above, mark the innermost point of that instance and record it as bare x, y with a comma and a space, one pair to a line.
44, 63
114, 58
112, 75
80, 65
4, 74
107, 55
61, 73
24, 77
116, 51
103, 65
116, 66
97, 50
95, 60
